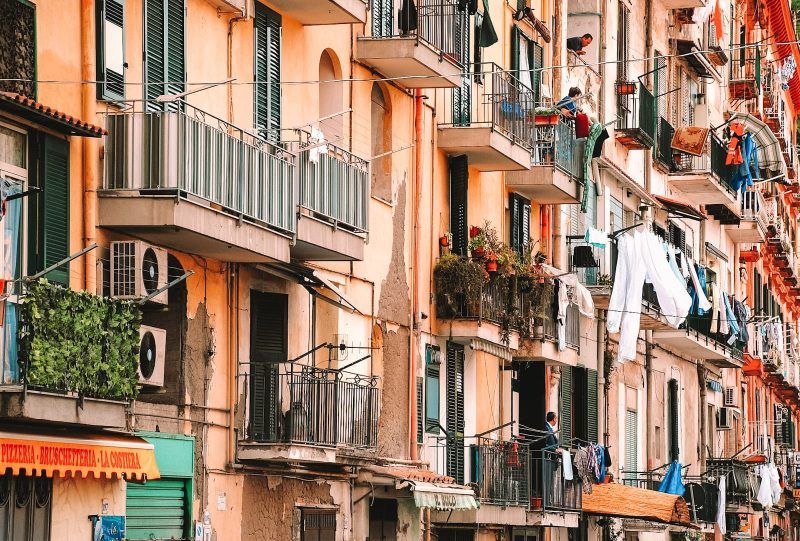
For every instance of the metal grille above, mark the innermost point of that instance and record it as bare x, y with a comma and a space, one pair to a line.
501, 469
123, 269
18, 47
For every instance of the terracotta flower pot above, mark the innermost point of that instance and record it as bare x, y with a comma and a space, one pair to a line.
491, 266
478, 253
546, 120
443, 241
626, 88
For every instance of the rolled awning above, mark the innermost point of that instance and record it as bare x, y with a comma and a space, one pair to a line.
313, 282
443, 497
108, 456
680, 208
617, 500
770, 155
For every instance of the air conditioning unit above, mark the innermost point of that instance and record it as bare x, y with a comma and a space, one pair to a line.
138, 270
152, 345
730, 397
724, 418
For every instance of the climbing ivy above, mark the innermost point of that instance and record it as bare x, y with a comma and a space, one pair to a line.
75, 341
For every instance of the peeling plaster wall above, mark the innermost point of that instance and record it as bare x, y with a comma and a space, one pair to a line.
74, 499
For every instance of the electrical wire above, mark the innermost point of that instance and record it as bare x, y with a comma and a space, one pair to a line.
407, 77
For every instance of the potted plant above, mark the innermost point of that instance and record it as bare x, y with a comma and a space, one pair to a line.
458, 282
507, 260
445, 240
478, 242
546, 116
491, 261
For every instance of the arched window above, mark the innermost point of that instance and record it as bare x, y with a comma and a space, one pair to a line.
381, 135
330, 99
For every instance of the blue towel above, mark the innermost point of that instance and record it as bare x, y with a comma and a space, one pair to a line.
672, 482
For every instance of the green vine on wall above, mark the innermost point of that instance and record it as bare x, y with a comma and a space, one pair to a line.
75, 341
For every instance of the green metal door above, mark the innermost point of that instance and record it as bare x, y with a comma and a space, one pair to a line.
156, 509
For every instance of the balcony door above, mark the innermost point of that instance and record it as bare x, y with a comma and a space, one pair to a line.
268, 348
455, 411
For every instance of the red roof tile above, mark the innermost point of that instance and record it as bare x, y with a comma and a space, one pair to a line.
78, 126
411, 474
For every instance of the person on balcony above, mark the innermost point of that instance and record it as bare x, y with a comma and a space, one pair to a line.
577, 43
568, 104
552, 429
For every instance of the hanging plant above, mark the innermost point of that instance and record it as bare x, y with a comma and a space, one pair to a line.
73, 341
458, 282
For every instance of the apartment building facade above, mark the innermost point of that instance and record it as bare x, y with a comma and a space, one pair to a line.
345, 243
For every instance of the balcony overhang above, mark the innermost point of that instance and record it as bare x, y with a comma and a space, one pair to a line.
545, 184
412, 61
487, 513
285, 452
747, 232
546, 351
472, 331
320, 241
191, 226
313, 12
32, 407
555, 519
698, 346
486, 148
703, 188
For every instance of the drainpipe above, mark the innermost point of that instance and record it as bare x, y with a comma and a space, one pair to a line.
648, 367
601, 376
90, 154
701, 381
231, 23
648, 48
413, 337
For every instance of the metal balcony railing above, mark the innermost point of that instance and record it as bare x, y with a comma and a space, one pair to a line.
292, 403
492, 306
754, 208
502, 103
194, 154
439, 23
550, 491
745, 73
712, 160
501, 471
572, 328
555, 145
335, 185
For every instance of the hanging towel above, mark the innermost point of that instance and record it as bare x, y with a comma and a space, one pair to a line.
566, 465
606, 458
407, 17
723, 527
583, 258
561, 322
596, 237
488, 34
592, 140
690, 139
582, 469
672, 482
673, 263
764, 495
318, 146
699, 287
581, 126
733, 325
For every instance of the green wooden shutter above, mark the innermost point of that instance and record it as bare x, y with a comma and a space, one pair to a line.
536, 62
459, 184
462, 97
267, 63
778, 424
51, 242
455, 411
672, 428
164, 51
520, 222
631, 442
110, 25
565, 412
515, 36
591, 405
382, 14
432, 392
268, 346
156, 510
420, 408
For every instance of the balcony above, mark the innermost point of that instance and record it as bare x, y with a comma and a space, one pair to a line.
429, 56
745, 74
195, 183
752, 226
488, 319
697, 341
705, 179
300, 413
556, 166
543, 344
636, 121
554, 501
333, 203
489, 122
314, 12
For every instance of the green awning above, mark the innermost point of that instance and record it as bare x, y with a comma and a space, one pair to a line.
443, 497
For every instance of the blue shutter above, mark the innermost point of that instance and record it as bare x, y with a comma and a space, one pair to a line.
267, 25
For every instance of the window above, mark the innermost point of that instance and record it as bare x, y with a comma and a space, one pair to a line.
382, 13
454, 535
110, 23
660, 74
520, 222
268, 337
432, 402
578, 409
455, 411
673, 434
164, 51
623, 41
331, 98
317, 525
25, 507
527, 61
48, 224
459, 183
462, 96
381, 132
267, 47
18, 56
